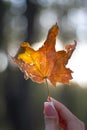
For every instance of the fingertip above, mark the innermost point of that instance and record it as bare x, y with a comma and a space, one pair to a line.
50, 116
49, 109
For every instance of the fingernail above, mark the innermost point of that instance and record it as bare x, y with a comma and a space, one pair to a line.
49, 109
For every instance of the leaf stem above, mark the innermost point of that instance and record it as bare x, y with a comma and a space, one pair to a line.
48, 91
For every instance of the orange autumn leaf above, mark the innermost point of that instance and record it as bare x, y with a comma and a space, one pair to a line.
46, 62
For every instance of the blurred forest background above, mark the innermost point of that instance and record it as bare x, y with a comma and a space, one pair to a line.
21, 101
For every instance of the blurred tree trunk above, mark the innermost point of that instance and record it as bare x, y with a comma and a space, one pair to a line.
18, 90
2, 11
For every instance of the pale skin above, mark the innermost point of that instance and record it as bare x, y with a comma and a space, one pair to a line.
57, 116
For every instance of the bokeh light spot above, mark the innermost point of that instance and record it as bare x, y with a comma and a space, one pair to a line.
47, 18
3, 61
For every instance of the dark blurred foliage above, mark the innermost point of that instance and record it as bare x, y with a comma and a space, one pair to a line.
21, 101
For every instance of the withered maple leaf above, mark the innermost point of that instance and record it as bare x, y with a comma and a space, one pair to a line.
46, 62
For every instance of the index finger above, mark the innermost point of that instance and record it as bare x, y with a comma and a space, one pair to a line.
67, 120
63, 111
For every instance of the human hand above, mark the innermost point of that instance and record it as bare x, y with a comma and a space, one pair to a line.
58, 116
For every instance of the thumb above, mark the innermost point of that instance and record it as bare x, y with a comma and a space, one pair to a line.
50, 116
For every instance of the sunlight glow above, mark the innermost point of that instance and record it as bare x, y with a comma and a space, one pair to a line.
78, 63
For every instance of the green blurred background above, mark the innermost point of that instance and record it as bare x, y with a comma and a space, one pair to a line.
21, 101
